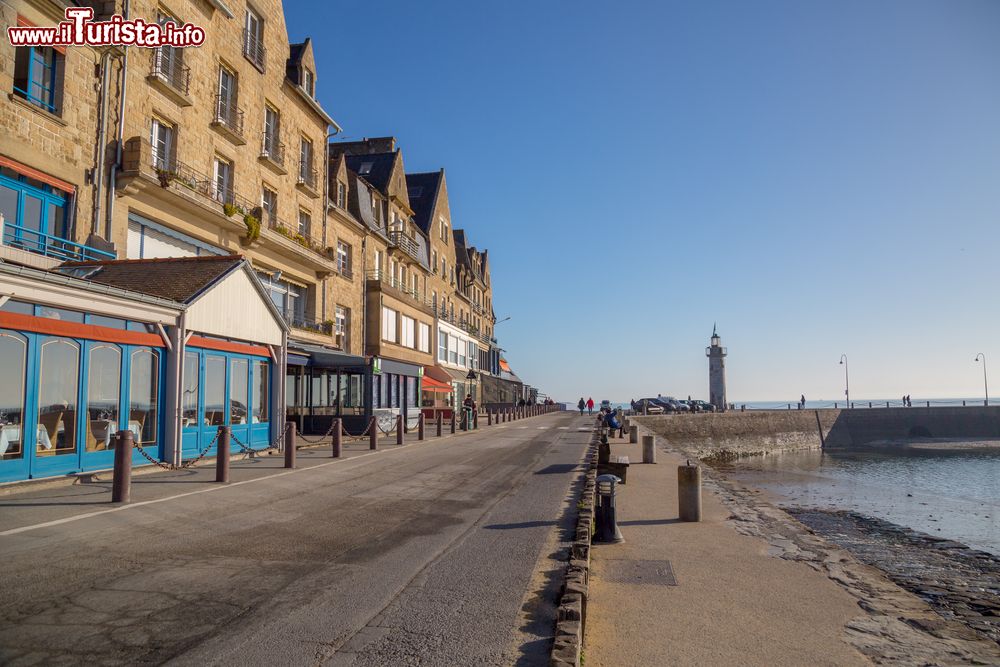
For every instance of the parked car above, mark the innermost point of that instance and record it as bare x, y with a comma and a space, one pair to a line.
678, 406
648, 406
665, 403
702, 406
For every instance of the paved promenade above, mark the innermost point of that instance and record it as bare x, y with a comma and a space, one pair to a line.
732, 604
438, 552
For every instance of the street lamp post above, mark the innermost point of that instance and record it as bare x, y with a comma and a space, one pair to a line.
847, 379
986, 385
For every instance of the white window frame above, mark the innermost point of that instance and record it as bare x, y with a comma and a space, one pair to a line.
407, 328
389, 333
424, 337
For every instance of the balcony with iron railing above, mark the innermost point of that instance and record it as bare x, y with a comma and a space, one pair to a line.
464, 325
344, 268
228, 119
303, 237
307, 178
298, 321
272, 152
49, 245
253, 49
399, 239
169, 74
382, 281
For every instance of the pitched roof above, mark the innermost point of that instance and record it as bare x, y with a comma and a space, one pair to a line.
375, 168
422, 190
179, 279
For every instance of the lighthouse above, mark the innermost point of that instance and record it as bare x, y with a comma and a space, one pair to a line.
716, 372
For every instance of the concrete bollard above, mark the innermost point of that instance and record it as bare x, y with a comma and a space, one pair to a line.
475, 419
633, 434
400, 425
440, 418
489, 418
420, 426
648, 449
453, 421
373, 434
121, 484
290, 445
222, 455
338, 436
689, 492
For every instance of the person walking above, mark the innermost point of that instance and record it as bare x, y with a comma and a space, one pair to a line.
590, 406
802, 402
582, 404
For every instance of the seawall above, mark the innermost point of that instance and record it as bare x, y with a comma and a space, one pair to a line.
735, 434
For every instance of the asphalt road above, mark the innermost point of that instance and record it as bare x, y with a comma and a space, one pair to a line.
437, 553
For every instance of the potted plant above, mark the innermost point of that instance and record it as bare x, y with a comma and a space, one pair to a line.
165, 176
230, 209
253, 227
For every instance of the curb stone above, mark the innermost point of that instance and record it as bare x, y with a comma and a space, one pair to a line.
571, 614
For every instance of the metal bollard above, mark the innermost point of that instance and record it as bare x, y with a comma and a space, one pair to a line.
689, 492
453, 421
338, 433
222, 455
373, 434
633, 434
121, 484
489, 418
648, 449
420, 426
290, 445
475, 420
400, 425
440, 418
605, 514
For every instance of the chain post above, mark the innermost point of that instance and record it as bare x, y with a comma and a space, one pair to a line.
290, 445
440, 418
489, 417
400, 425
373, 434
222, 455
475, 418
337, 434
121, 484
420, 426
453, 420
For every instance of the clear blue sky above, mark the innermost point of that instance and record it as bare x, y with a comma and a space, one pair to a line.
817, 177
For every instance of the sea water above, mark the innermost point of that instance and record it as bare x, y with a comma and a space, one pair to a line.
952, 493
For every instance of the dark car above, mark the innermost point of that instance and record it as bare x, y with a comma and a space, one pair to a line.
702, 406
648, 406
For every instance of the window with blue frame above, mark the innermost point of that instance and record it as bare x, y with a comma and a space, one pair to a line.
36, 71
34, 215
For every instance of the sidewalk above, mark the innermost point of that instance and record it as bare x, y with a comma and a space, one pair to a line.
732, 604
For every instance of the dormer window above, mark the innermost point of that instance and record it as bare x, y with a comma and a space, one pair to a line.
308, 82
341, 194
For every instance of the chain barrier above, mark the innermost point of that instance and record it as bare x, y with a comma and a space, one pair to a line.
359, 435
317, 441
250, 451
171, 466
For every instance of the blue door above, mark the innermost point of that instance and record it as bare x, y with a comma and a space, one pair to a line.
224, 389
16, 420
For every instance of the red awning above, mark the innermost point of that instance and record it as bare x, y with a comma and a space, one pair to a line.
430, 384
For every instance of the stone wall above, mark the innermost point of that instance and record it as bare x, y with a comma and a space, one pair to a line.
736, 434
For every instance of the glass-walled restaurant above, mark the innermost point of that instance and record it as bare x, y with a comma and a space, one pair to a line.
83, 360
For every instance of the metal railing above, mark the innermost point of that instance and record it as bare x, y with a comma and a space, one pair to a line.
168, 66
404, 242
253, 49
228, 114
309, 324
50, 245
344, 269
307, 175
272, 149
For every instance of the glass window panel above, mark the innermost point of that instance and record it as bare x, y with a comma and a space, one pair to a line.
8, 204
19, 307
104, 378
239, 385
144, 395
393, 391
13, 356
61, 314
104, 321
141, 326
58, 380
261, 393
32, 218
189, 399
215, 391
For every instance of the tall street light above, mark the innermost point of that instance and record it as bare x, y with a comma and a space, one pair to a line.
986, 385
847, 379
